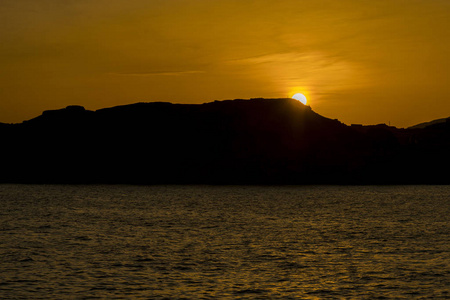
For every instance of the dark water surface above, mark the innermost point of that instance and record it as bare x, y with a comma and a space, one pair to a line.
194, 242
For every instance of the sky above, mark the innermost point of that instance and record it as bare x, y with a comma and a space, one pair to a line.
363, 62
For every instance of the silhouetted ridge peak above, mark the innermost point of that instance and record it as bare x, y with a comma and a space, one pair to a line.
230, 141
72, 113
431, 123
71, 109
262, 110
136, 107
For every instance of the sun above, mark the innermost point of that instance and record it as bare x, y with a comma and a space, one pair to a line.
300, 97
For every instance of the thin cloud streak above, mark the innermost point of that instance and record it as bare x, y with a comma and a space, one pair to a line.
171, 73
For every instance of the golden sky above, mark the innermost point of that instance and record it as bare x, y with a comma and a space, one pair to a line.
358, 61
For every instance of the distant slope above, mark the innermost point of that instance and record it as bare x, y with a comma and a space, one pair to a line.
262, 141
426, 124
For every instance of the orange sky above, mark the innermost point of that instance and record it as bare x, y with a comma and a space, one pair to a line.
358, 61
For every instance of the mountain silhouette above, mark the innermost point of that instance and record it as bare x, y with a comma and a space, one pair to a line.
426, 124
257, 141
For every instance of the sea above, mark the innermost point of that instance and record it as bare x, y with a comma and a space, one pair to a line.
224, 242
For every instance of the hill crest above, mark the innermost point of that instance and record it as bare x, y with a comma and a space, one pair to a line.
230, 141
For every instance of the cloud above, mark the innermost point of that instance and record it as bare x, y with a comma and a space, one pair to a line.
319, 69
161, 73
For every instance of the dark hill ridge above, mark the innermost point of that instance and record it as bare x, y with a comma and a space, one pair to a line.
224, 142
431, 123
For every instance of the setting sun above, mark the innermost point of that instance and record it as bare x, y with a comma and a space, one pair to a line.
300, 97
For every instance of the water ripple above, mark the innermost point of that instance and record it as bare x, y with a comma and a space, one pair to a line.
206, 242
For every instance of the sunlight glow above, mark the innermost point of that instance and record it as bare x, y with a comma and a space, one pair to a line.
300, 97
